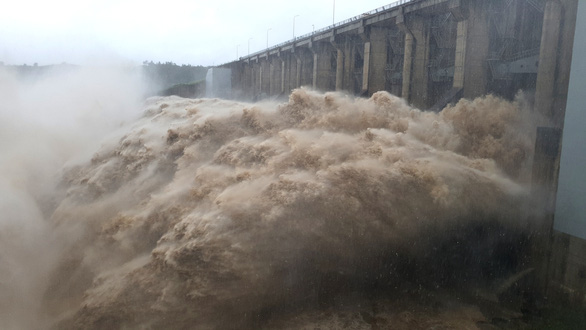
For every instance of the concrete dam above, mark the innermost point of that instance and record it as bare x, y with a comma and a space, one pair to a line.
430, 52
434, 52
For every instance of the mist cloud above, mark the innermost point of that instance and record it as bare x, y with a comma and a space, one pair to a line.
45, 123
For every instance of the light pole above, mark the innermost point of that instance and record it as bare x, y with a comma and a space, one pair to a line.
294, 17
268, 37
334, 14
312, 28
237, 46
249, 46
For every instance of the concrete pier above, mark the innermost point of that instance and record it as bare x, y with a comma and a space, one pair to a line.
476, 50
377, 59
548, 58
408, 56
323, 67
419, 90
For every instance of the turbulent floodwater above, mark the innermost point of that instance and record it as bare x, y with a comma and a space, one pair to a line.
326, 211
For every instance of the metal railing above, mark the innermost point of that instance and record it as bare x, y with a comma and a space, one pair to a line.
331, 27
525, 53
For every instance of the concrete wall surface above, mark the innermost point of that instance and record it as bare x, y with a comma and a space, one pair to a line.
567, 264
570, 213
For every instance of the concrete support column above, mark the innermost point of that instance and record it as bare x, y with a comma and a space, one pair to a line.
338, 48
365, 68
292, 75
272, 81
472, 42
288, 63
348, 81
377, 60
564, 60
475, 50
307, 67
254, 79
258, 91
266, 77
460, 56
297, 70
407, 57
322, 66
246, 80
419, 88
314, 71
407, 65
546, 72
339, 69
282, 77
276, 85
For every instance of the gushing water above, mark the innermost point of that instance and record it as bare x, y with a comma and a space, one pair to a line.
209, 213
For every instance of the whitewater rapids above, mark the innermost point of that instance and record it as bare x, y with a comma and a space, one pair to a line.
323, 211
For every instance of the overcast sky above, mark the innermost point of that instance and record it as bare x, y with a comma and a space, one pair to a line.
181, 31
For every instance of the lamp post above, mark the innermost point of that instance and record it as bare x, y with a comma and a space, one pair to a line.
249, 46
294, 17
237, 46
334, 14
268, 37
312, 28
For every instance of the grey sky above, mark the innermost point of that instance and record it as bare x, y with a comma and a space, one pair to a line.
182, 31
